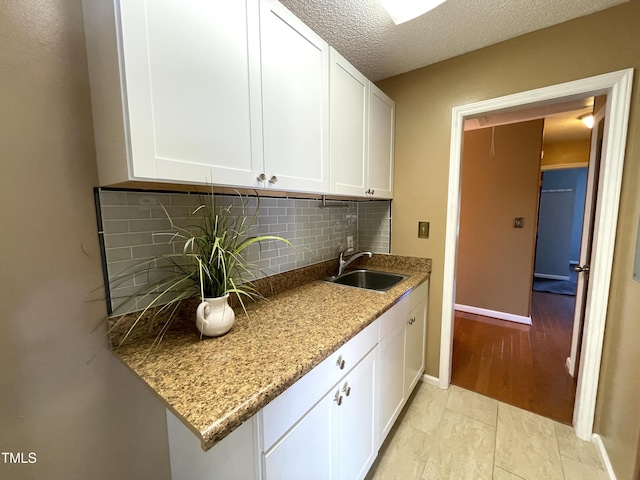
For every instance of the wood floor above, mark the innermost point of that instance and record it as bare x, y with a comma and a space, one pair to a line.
519, 364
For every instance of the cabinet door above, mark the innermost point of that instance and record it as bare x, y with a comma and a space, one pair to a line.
381, 142
295, 95
414, 347
308, 450
391, 396
191, 72
356, 438
349, 98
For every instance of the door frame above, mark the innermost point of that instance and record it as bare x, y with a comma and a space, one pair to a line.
617, 86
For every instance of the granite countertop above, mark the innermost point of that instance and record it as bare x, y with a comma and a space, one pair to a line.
216, 384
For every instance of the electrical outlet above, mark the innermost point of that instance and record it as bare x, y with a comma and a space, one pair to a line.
423, 229
350, 241
518, 222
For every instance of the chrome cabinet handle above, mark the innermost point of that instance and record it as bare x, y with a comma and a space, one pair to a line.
411, 321
338, 398
581, 268
262, 177
340, 363
346, 389
273, 179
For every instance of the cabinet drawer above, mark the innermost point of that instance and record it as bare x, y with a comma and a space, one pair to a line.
285, 410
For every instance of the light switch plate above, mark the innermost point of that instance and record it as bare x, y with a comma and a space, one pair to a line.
423, 229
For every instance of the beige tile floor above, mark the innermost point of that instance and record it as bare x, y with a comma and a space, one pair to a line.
456, 434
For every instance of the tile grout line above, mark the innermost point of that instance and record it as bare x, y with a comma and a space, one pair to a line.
555, 436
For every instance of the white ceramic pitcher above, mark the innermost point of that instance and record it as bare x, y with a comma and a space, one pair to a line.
214, 316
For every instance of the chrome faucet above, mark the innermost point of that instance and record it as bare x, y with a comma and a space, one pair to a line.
342, 263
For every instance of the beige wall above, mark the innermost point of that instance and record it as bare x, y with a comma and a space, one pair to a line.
591, 45
82, 417
572, 153
495, 260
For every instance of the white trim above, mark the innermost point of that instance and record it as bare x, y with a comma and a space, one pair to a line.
617, 87
604, 456
551, 277
511, 317
430, 379
563, 166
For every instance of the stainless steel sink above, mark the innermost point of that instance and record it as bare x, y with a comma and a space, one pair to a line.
369, 279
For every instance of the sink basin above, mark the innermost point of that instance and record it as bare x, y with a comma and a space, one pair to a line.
369, 279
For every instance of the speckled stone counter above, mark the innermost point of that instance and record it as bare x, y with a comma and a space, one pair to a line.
216, 384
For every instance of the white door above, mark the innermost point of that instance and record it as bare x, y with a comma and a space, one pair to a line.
593, 175
414, 346
382, 112
295, 94
309, 449
349, 97
192, 90
356, 437
391, 397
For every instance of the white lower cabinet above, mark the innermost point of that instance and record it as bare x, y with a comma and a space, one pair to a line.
331, 423
335, 439
402, 347
308, 449
414, 335
357, 447
391, 380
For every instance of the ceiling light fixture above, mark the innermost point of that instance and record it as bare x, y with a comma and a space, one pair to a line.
587, 120
402, 11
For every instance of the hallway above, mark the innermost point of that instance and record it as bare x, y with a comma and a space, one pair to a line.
518, 364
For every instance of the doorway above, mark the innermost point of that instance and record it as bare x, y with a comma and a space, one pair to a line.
523, 365
617, 87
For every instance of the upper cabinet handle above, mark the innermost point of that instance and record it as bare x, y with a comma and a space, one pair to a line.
273, 179
262, 177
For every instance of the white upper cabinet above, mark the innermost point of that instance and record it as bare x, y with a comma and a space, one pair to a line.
231, 93
382, 111
362, 133
188, 102
349, 100
295, 99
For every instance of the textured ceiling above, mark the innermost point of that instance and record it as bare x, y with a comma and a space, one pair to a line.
365, 35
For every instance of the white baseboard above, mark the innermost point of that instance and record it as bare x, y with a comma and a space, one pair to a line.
494, 314
551, 277
604, 456
431, 380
